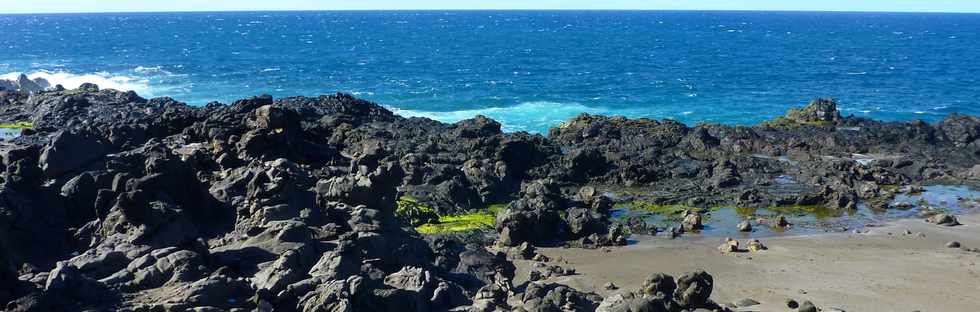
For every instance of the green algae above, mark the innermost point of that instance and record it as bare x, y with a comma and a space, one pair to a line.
478, 220
786, 123
17, 125
410, 211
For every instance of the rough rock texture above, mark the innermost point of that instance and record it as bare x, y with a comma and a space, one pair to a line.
813, 156
23, 84
661, 293
116, 202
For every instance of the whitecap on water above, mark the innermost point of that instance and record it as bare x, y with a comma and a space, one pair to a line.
103, 79
526, 116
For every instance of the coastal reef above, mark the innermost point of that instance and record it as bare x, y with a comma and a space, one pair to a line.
110, 201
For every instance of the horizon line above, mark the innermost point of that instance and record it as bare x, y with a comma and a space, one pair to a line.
484, 10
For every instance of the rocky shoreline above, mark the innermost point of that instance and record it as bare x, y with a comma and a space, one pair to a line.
114, 202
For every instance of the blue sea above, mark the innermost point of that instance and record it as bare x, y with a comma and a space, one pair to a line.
528, 69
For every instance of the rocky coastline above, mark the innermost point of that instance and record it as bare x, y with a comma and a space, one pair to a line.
111, 201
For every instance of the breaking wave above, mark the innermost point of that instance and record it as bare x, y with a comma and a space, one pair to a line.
526, 116
103, 79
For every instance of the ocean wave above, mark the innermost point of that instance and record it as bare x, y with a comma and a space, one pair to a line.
533, 117
103, 79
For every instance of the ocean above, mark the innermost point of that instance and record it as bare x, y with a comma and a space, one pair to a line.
529, 70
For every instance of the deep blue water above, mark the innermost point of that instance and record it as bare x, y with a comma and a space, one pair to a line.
529, 70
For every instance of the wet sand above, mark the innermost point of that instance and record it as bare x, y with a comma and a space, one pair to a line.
882, 270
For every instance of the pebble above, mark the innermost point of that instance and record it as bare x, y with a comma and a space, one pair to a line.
953, 244
792, 304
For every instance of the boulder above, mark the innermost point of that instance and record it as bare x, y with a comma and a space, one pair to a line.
694, 289
807, 306
69, 151
943, 219
755, 245
744, 226
960, 129
819, 110
729, 246
692, 221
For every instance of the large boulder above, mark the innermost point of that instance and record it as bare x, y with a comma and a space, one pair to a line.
70, 151
818, 111
694, 289
962, 130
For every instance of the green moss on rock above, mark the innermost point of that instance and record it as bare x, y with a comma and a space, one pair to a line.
410, 211
479, 220
17, 125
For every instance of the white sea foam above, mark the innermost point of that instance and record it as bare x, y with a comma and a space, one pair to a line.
103, 79
527, 116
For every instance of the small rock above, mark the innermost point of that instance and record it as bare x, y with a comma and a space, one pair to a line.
943, 219
729, 246
908, 232
540, 258
953, 244
745, 226
808, 307
692, 221
781, 221
792, 304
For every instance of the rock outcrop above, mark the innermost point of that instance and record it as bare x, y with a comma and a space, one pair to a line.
116, 202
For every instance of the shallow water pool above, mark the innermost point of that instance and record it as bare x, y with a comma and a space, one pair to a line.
805, 220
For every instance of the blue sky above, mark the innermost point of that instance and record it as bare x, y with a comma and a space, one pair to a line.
35, 6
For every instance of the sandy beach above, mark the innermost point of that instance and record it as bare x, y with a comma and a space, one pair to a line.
881, 270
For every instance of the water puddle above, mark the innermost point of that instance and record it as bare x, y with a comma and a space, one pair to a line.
9, 133
805, 220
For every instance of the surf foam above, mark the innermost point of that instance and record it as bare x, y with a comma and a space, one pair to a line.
103, 79
533, 117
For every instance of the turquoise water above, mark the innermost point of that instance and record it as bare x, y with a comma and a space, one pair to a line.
528, 69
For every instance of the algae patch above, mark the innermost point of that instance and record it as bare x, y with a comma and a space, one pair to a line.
482, 219
413, 213
17, 125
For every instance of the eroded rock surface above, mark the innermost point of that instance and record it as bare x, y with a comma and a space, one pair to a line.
116, 202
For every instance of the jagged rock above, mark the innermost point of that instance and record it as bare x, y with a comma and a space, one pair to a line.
819, 110
658, 285
291, 267
69, 151
25, 85
692, 221
694, 289
960, 129
288, 204
553, 297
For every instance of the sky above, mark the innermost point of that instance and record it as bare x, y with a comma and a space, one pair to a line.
61, 6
